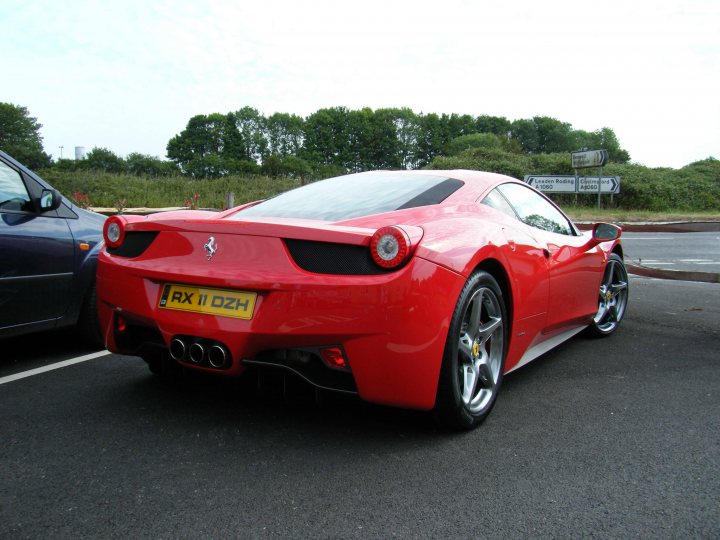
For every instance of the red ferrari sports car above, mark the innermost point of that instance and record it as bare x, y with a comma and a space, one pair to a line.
416, 289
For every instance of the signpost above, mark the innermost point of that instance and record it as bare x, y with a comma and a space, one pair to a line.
552, 184
589, 158
579, 184
573, 184
589, 184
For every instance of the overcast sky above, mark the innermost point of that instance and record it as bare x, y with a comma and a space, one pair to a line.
128, 75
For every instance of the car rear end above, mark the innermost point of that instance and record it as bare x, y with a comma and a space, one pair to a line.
348, 308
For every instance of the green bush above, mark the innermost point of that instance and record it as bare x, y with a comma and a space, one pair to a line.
695, 187
485, 159
473, 140
277, 165
110, 190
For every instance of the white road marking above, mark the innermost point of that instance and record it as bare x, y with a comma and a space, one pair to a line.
57, 365
626, 238
690, 261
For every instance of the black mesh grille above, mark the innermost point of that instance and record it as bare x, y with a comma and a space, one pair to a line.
338, 259
134, 245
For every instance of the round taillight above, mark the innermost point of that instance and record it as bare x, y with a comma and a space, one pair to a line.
389, 247
114, 231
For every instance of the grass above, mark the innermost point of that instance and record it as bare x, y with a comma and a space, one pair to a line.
112, 190
629, 216
105, 190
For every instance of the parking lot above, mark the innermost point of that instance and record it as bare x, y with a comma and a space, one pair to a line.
614, 437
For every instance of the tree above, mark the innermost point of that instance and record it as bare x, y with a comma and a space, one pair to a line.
456, 125
336, 139
210, 146
250, 124
553, 135
372, 141
608, 140
357, 152
70, 165
525, 132
407, 129
102, 159
601, 139
20, 136
384, 144
284, 134
430, 140
498, 125
277, 165
144, 165
326, 137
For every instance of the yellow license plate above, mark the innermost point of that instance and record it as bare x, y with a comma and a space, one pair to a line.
223, 302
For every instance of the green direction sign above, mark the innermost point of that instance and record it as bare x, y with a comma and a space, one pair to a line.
566, 184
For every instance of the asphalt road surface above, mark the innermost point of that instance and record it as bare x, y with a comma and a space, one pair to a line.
615, 437
694, 252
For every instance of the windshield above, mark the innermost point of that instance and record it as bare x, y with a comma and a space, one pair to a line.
355, 195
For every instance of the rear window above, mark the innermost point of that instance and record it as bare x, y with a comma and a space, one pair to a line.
355, 195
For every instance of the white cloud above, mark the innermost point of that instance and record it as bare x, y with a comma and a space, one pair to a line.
129, 75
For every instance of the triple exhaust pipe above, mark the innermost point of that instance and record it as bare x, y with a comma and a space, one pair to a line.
200, 352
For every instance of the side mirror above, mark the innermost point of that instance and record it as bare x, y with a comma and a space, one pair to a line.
604, 232
50, 199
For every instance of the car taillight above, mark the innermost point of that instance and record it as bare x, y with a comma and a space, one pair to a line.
334, 358
389, 247
120, 324
114, 231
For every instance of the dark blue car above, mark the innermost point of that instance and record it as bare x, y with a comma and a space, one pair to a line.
48, 256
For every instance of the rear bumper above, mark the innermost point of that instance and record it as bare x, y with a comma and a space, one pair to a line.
392, 327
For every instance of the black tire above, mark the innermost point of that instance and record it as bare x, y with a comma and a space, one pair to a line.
474, 358
88, 325
612, 299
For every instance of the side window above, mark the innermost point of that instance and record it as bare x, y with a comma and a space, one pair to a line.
498, 202
535, 211
13, 193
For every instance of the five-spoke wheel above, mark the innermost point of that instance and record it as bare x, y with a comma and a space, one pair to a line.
474, 354
612, 298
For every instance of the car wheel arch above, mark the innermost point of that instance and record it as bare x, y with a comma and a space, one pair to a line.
496, 269
463, 402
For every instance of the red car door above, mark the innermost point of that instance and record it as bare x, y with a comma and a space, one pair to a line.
574, 271
575, 274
